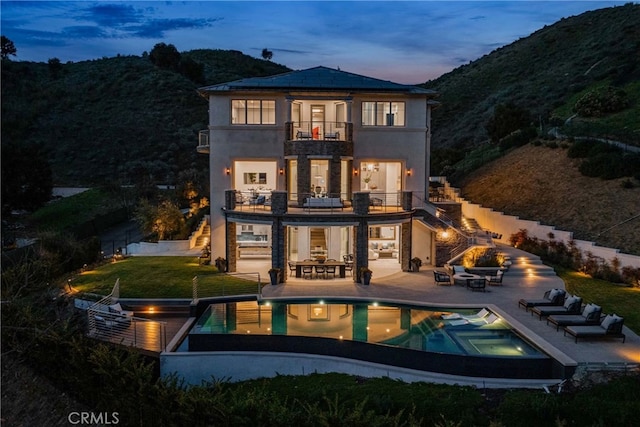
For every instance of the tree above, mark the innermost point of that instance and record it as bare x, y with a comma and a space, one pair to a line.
507, 118
7, 46
165, 220
165, 56
267, 54
192, 70
55, 67
26, 177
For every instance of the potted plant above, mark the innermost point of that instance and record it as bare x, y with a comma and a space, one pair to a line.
274, 275
365, 275
221, 264
415, 264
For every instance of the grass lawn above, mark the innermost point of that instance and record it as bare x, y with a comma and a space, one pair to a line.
622, 300
162, 277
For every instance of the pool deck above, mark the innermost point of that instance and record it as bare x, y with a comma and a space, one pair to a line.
527, 278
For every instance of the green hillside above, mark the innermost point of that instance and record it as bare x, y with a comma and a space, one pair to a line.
116, 119
547, 73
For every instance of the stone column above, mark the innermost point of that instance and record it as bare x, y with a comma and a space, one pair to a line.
278, 232
407, 199
230, 199
232, 252
361, 202
362, 248
405, 253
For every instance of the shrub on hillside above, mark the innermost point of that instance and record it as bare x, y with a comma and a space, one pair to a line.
602, 101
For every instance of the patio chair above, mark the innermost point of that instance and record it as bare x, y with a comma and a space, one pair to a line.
495, 280
330, 269
611, 326
550, 297
442, 278
590, 315
572, 305
476, 284
320, 269
348, 266
292, 268
307, 270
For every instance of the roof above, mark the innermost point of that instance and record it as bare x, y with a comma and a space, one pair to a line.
317, 79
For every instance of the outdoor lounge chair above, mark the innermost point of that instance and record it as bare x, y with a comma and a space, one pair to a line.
551, 297
611, 326
590, 315
117, 309
572, 305
442, 278
479, 315
495, 280
486, 320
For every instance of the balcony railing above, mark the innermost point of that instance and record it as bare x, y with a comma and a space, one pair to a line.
319, 131
203, 141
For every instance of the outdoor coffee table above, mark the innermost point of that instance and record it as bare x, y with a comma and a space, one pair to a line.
463, 278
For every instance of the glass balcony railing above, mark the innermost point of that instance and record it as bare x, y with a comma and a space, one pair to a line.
319, 131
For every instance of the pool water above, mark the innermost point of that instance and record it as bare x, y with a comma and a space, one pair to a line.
384, 324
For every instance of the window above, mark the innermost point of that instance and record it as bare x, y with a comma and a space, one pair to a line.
253, 112
383, 114
296, 114
255, 178
293, 180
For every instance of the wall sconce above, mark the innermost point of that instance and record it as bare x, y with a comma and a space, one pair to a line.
227, 171
409, 172
281, 171
355, 171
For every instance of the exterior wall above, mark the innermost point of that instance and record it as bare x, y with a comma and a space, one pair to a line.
422, 247
506, 225
229, 143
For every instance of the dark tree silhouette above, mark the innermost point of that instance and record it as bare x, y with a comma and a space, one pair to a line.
55, 68
7, 46
165, 56
267, 54
26, 177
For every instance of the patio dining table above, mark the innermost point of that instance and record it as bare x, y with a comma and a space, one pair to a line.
340, 264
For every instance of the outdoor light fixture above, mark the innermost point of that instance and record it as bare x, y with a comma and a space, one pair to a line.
281, 171
355, 171
445, 234
409, 172
227, 171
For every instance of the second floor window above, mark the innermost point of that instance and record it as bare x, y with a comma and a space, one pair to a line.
383, 114
253, 112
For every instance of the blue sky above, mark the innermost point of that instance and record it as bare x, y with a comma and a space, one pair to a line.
406, 42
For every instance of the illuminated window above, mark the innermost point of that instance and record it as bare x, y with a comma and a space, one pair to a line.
253, 112
383, 114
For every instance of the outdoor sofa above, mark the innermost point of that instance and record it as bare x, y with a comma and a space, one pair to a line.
611, 326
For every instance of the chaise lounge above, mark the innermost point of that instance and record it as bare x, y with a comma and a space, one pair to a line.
571, 305
611, 326
551, 297
590, 315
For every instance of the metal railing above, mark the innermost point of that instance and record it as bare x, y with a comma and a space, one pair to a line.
107, 324
321, 131
253, 200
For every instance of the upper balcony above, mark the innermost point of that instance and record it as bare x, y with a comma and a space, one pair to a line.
319, 131
203, 142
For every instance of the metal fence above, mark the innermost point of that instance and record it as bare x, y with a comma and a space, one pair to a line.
108, 324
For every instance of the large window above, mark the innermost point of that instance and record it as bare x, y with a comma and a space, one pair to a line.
383, 114
253, 112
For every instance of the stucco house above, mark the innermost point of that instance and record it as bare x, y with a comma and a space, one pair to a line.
322, 163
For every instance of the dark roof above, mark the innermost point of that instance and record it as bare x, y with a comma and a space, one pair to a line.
317, 79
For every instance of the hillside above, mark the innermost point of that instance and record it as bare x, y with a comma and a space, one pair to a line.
116, 119
546, 73
541, 183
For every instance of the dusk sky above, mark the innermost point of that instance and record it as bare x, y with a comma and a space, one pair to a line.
406, 42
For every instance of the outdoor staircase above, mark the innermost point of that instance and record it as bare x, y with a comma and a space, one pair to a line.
205, 236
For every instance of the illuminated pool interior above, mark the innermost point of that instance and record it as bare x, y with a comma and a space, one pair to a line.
446, 331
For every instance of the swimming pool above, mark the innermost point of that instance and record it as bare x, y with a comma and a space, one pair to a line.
469, 342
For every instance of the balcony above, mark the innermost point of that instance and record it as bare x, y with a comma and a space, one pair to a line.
319, 131
203, 142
